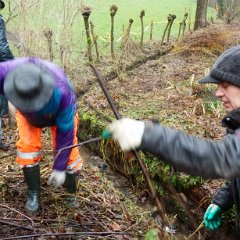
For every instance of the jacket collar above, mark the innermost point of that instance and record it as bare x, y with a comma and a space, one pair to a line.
232, 119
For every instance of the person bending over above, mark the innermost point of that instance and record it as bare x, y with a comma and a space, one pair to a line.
43, 97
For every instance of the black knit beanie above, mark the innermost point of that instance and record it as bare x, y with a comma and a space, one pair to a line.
226, 68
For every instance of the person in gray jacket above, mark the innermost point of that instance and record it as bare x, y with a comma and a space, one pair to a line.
195, 156
5, 54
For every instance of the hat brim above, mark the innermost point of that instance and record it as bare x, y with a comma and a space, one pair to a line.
209, 79
34, 104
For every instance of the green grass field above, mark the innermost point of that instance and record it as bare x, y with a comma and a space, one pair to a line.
65, 19
155, 10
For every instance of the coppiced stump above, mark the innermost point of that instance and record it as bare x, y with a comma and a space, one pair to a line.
142, 14
113, 11
48, 33
151, 30
86, 11
173, 17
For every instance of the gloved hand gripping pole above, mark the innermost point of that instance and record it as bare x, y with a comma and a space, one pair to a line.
140, 162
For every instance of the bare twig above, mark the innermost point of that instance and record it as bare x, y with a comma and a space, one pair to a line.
94, 37
15, 225
68, 234
97, 139
13, 209
198, 228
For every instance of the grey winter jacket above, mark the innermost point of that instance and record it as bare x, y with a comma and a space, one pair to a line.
211, 159
228, 194
205, 158
5, 54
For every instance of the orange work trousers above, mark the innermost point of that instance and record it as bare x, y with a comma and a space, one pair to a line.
29, 144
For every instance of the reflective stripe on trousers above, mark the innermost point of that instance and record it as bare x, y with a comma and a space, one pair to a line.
76, 166
29, 143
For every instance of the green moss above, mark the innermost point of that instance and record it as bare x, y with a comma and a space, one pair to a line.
213, 106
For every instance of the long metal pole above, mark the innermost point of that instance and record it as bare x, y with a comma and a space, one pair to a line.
140, 162
97, 139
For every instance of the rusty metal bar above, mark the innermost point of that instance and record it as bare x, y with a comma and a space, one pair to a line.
140, 162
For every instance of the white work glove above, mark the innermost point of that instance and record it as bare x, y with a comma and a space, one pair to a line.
57, 178
127, 132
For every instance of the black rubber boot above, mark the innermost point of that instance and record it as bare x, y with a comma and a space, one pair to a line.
71, 187
32, 178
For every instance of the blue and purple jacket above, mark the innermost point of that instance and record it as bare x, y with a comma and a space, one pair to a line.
59, 111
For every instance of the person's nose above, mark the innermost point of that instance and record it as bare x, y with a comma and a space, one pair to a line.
219, 92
